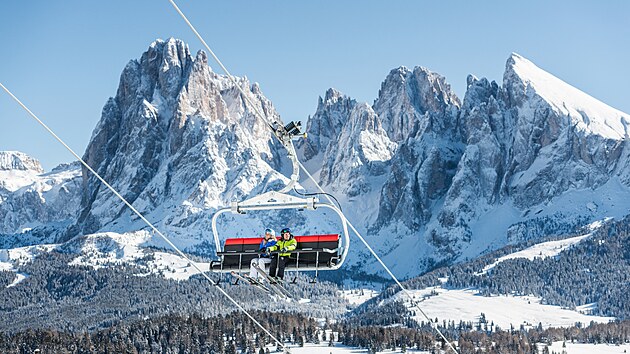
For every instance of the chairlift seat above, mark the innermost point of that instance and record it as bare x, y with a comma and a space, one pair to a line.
312, 252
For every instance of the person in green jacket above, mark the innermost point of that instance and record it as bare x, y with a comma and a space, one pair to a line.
285, 246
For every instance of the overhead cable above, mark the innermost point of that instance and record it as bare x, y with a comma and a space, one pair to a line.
405, 291
166, 239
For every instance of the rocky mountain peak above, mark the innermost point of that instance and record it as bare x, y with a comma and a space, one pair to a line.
332, 113
332, 95
15, 160
178, 134
30, 198
441, 180
524, 81
361, 150
412, 101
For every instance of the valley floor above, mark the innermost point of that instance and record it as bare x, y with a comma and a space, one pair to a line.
467, 305
571, 348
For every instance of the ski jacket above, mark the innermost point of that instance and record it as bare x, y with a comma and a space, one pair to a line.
290, 245
264, 245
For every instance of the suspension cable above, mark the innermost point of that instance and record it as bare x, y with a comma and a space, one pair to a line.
293, 156
222, 66
194, 265
284, 139
414, 303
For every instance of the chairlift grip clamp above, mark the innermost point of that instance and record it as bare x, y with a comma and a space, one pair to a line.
234, 208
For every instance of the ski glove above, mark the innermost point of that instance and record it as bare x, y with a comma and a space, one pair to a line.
283, 250
267, 251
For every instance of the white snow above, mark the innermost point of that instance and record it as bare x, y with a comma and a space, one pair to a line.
10, 258
588, 113
376, 147
110, 248
490, 229
99, 250
15, 179
467, 305
6, 266
19, 277
582, 348
323, 348
175, 267
541, 251
358, 296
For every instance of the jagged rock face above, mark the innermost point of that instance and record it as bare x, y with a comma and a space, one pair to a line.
419, 109
507, 150
326, 124
18, 161
526, 144
30, 198
557, 145
361, 150
479, 171
411, 102
177, 140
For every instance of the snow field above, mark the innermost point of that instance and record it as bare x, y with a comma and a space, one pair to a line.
580, 348
467, 305
358, 296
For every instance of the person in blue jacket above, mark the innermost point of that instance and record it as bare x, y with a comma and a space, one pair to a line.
268, 240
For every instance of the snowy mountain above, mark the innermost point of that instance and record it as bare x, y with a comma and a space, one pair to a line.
178, 141
470, 177
429, 179
31, 199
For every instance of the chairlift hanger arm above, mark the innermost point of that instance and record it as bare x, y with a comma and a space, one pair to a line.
285, 135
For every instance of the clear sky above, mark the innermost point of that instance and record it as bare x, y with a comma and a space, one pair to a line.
63, 59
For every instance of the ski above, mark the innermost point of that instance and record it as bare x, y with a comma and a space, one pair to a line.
250, 281
274, 284
276, 289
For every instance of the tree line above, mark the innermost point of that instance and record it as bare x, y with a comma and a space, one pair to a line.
235, 333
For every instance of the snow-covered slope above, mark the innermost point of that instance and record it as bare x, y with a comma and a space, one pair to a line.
107, 250
504, 311
30, 198
111, 249
584, 111
541, 250
468, 303
179, 141
16, 171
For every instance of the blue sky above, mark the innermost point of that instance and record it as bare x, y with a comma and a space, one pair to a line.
63, 59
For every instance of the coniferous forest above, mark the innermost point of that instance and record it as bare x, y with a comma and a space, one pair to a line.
78, 309
235, 333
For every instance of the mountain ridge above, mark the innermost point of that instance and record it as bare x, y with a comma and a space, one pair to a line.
419, 164
504, 150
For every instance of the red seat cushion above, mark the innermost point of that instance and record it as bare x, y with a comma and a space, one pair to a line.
243, 241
